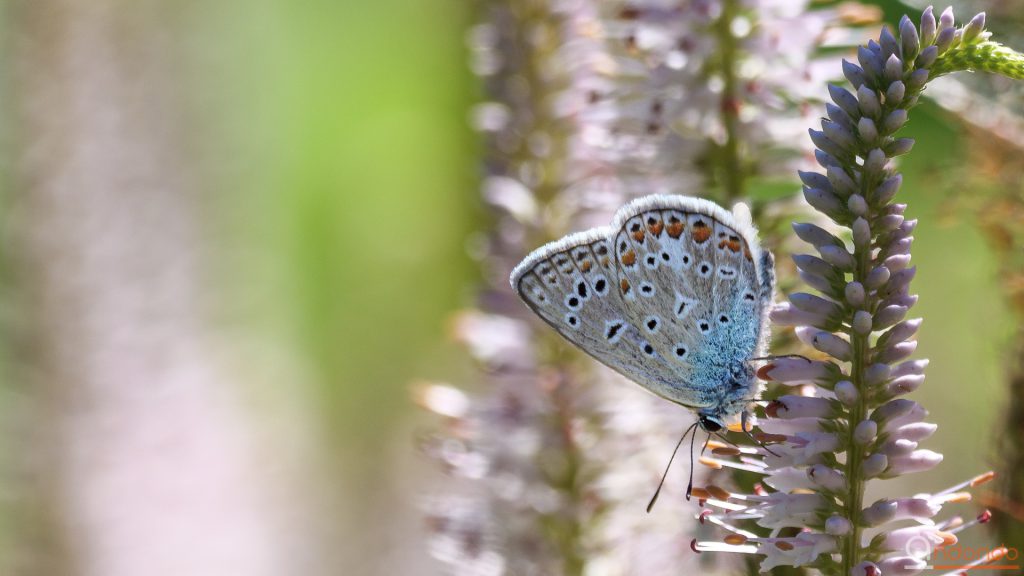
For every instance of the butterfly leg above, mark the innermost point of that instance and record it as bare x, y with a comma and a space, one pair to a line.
767, 279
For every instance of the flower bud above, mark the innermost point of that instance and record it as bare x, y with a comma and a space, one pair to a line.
789, 406
868, 102
893, 69
879, 513
846, 392
862, 322
928, 27
874, 465
854, 293
837, 525
909, 41
892, 409
832, 345
827, 478
837, 256
861, 229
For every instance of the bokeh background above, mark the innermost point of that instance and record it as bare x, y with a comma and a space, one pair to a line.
235, 236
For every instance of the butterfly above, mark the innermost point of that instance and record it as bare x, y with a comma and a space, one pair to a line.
674, 295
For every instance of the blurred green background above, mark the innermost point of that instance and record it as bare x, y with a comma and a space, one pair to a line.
340, 130
338, 185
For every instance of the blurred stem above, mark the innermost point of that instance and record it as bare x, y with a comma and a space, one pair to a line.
536, 48
731, 169
569, 530
1000, 215
1010, 524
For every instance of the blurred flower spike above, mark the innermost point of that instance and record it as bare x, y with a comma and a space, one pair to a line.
590, 104
848, 399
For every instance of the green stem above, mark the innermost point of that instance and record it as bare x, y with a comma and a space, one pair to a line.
854, 501
984, 56
731, 169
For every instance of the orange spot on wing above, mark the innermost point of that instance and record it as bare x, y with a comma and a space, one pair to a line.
586, 266
701, 232
639, 236
732, 243
624, 285
656, 228
629, 258
604, 261
675, 229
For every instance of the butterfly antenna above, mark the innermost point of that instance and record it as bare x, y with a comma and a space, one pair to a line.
662, 483
762, 444
726, 440
776, 357
689, 484
743, 424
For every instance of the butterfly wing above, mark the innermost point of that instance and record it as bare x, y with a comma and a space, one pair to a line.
693, 269
574, 285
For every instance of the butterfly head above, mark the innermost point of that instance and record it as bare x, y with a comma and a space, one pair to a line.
710, 423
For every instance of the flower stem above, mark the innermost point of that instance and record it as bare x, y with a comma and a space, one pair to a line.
855, 452
985, 56
731, 169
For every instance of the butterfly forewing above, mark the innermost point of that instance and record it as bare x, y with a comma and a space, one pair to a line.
597, 321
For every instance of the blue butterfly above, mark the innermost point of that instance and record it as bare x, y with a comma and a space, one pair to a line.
674, 295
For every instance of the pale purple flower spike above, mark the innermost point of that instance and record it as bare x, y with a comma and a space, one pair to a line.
592, 104
847, 400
